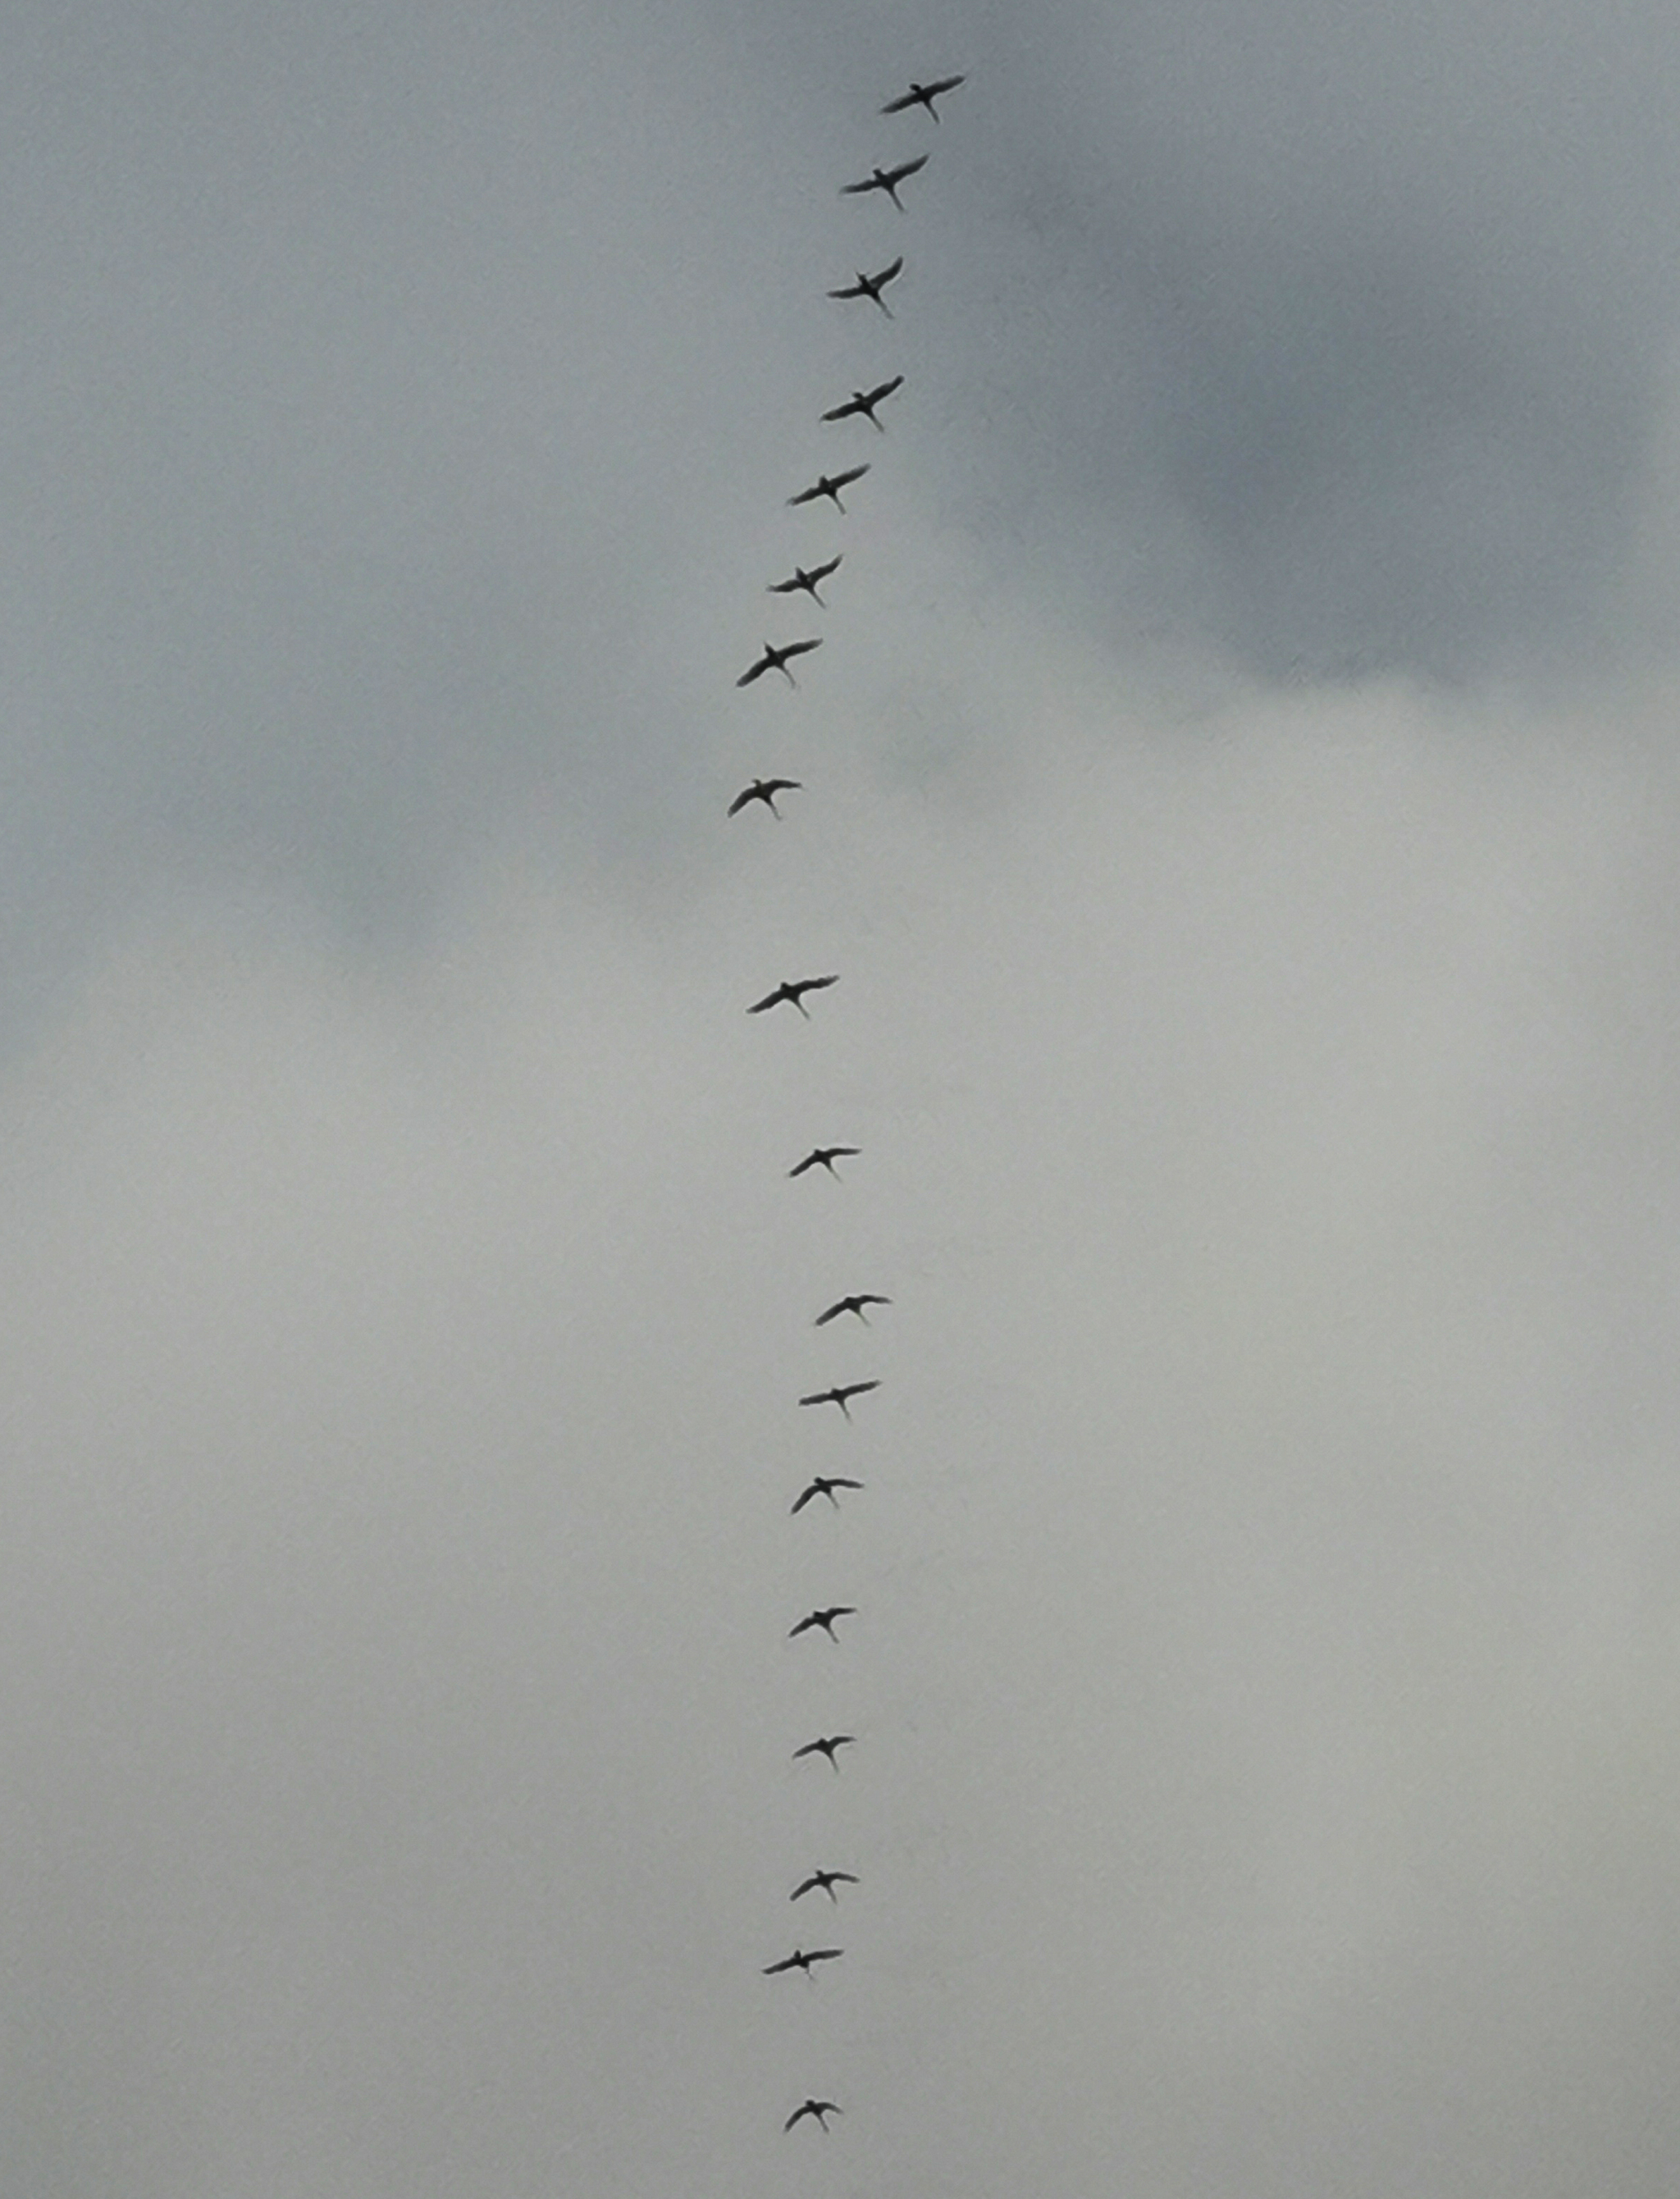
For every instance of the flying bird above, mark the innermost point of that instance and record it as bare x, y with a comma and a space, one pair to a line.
775, 659
826, 1619
826, 1157
824, 1485
887, 180
827, 1880
871, 286
764, 790
854, 1302
799, 1960
839, 1394
924, 95
817, 2109
865, 401
794, 989
828, 485
828, 1745
806, 581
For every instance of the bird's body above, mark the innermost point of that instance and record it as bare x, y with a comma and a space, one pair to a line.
839, 1394
826, 1881
775, 659
825, 1156
864, 401
871, 286
764, 790
807, 581
792, 989
799, 1960
828, 1745
828, 485
924, 95
887, 180
826, 1619
855, 1302
817, 2109
824, 1485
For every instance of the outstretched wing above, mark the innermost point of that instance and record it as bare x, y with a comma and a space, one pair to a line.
845, 480
886, 389
755, 671
890, 274
905, 168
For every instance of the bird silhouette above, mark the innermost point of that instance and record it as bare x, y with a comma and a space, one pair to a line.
793, 989
887, 180
817, 2109
775, 659
807, 582
824, 1485
830, 485
764, 790
853, 1302
864, 401
871, 286
826, 1619
827, 1881
828, 1745
799, 1960
825, 1156
839, 1394
924, 95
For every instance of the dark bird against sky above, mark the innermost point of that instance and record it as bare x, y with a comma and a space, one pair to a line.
817, 2109
824, 1618
825, 1156
828, 1745
839, 1394
807, 582
792, 989
864, 401
824, 1485
764, 790
799, 1960
775, 659
924, 95
830, 485
855, 1302
871, 286
887, 180
826, 1881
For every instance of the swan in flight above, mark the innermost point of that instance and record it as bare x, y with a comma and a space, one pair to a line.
887, 180
839, 1394
924, 95
793, 989
853, 1302
826, 1157
829, 485
871, 286
864, 401
806, 581
824, 1618
775, 659
824, 1485
764, 790
817, 2109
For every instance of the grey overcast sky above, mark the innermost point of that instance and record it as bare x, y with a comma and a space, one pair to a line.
1239, 799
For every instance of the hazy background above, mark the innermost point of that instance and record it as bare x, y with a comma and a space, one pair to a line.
1241, 800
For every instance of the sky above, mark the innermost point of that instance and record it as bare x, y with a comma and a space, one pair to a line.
1238, 797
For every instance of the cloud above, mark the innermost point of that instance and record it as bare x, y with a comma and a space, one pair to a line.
1262, 1674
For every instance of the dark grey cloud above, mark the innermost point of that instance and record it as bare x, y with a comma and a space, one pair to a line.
403, 404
